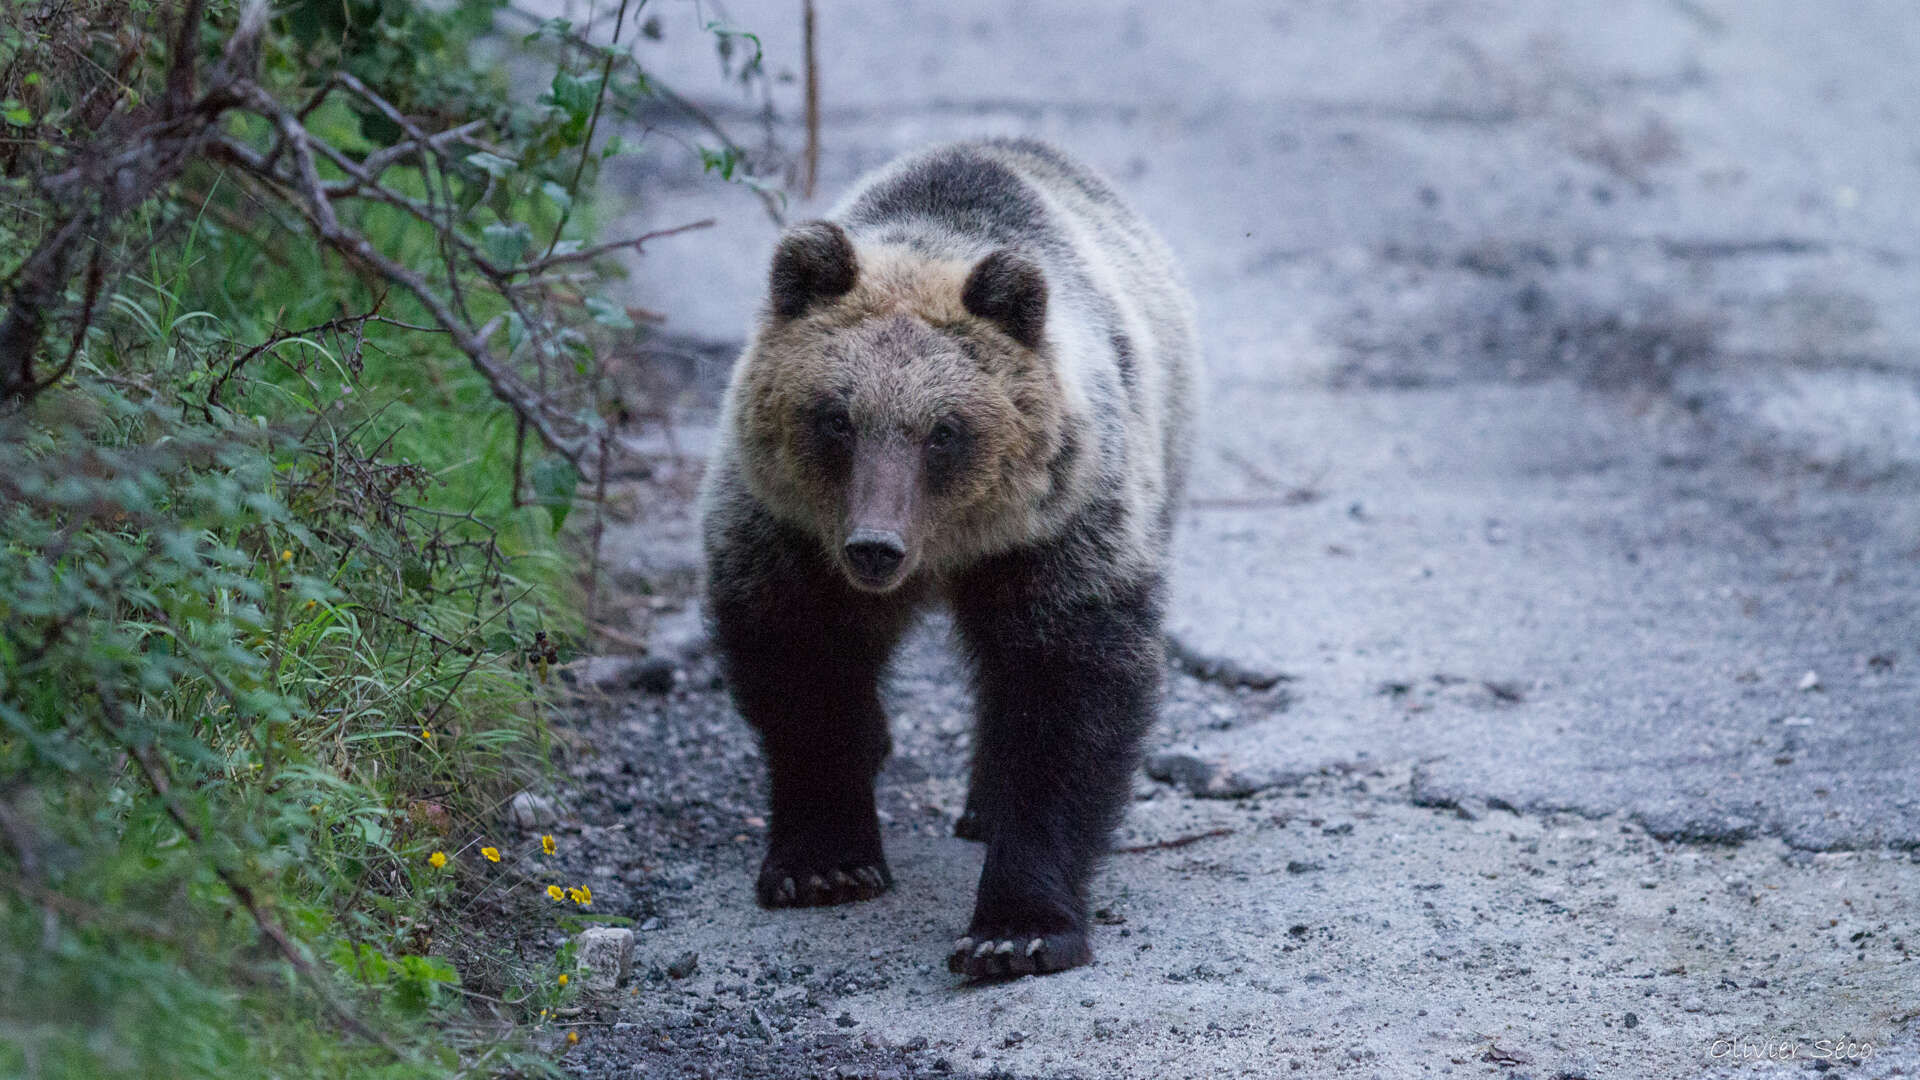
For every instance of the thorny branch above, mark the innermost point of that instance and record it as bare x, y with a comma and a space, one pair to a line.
137, 156
139, 153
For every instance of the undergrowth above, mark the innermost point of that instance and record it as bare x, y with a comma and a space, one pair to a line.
281, 572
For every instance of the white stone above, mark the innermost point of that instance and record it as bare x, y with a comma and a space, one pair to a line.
604, 957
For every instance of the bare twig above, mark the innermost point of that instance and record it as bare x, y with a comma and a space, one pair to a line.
706, 120
812, 158
594, 252
304, 191
113, 176
1176, 842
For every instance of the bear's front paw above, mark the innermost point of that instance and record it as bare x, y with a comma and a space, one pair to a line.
1001, 952
816, 871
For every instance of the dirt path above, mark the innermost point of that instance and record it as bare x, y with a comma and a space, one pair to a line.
1563, 444
1326, 923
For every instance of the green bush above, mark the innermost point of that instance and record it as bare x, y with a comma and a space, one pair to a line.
281, 575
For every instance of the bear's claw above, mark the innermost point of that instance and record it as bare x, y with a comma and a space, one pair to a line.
782, 886
1018, 954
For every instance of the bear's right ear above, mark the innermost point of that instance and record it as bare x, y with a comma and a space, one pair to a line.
1007, 288
814, 261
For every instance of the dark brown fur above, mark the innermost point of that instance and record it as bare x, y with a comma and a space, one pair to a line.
968, 387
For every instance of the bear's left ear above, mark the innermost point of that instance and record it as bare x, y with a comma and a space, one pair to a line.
1007, 288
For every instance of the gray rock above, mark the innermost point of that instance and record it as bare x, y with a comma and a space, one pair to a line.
656, 674
1211, 777
607, 673
678, 635
603, 955
1698, 825
530, 811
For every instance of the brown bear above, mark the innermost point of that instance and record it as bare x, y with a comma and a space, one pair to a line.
971, 384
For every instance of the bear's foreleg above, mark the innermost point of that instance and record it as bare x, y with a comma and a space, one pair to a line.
1069, 680
803, 655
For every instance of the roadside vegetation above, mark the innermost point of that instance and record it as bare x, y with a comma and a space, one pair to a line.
305, 393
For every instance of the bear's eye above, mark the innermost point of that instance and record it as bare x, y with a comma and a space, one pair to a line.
943, 435
834, 424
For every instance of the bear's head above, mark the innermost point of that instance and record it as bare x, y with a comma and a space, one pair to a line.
902, 407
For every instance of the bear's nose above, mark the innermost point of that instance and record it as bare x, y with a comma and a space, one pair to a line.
874, 554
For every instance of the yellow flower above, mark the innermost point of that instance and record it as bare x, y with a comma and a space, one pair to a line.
438, 859
287, 555
563, 978
546, 844
576, 896
310, 603
492, 853
426, 733
586, 895
554, 891
572, 1037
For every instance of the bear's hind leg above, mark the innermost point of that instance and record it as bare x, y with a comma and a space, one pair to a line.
803, 654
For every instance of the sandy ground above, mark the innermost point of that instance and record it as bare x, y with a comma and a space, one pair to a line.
1563, 447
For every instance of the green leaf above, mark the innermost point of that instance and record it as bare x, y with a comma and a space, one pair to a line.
428, 969
506, 244
723, 40
558, 193
554, 482
557, 29
492, 164
722, 161
363, 962
575, 93
608, 314
415, 575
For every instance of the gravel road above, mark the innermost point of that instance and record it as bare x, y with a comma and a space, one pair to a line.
1562, 451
